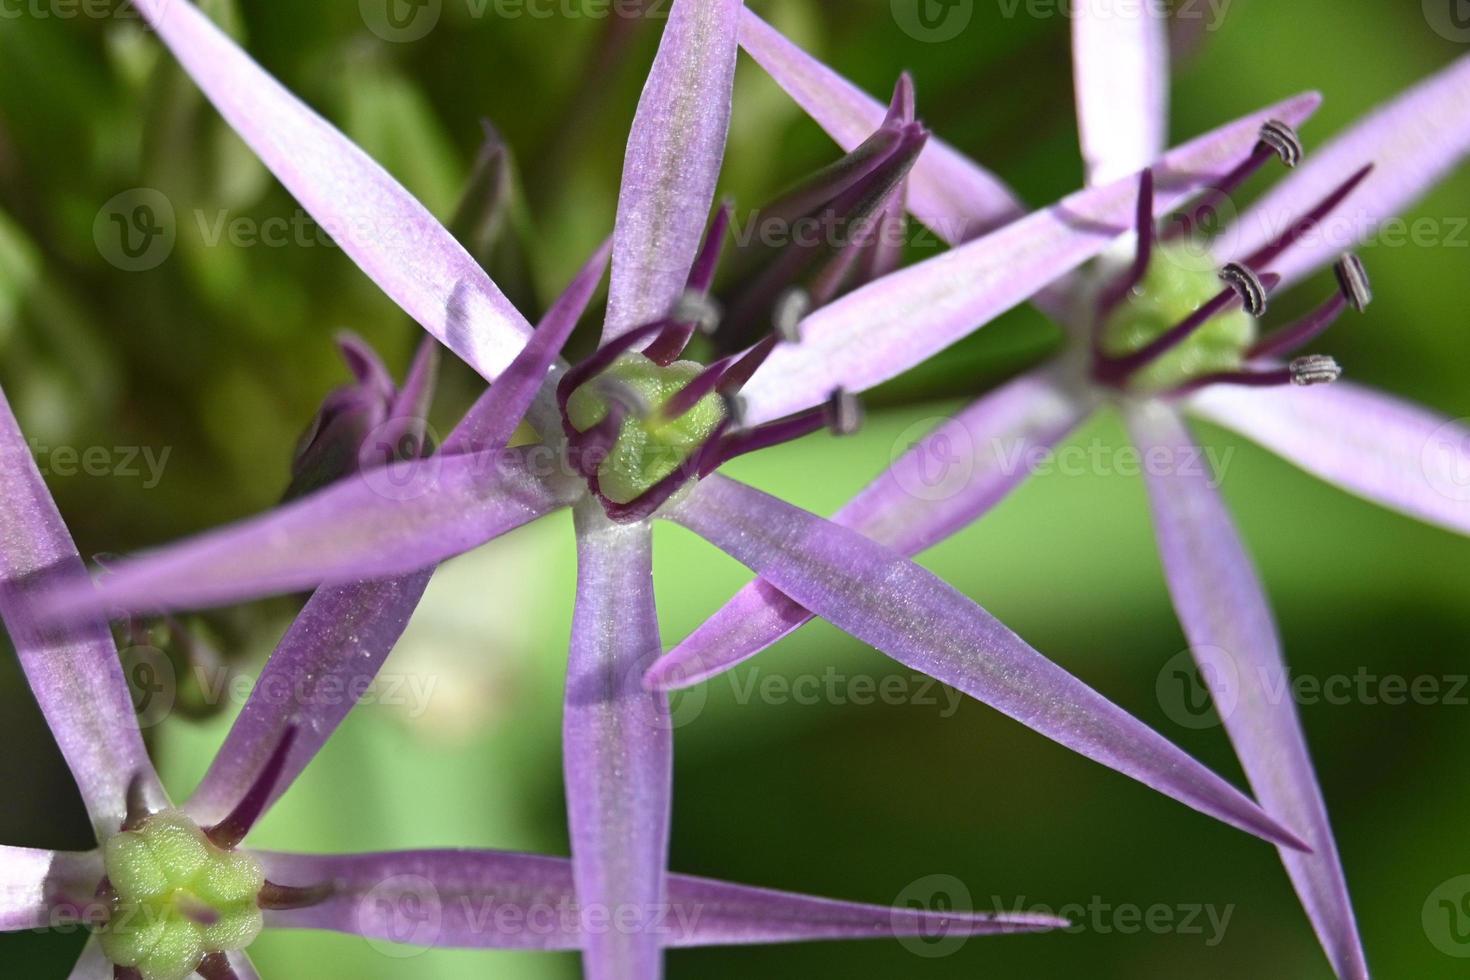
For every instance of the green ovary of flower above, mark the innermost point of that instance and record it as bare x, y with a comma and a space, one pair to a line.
1179, 281
176, 898
646, 449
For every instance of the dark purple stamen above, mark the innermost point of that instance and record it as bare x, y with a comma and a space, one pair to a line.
666, 348
690, 395
1243, 287
1268, 253
216, 966
125, 973
285, 897
1353, 290
657, 495
842, 415
229, 832
1277, 140
1314, 369
1142, 256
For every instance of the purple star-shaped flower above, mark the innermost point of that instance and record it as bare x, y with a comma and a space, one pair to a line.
1155, 333
630, 434
170, 891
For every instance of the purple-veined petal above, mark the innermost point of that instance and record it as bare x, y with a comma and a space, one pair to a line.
341, 638
388, 233
1413, 142
1382, 448
911, 615
888, 326
73, 670
92, 964
956, 198
390, 521
675, 149
1230, 629
617, 745
1120, 69
327, 658
498, 900
34, 883
946, 481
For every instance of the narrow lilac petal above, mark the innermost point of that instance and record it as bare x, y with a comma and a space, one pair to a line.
388, 233
1120, 68
956, 198
617, 745
92, 964
908, 613
1413, 141
325, 661
1223, 608
889, 326
34, 883
394, 520
948, 480
675, 149
1382, 448
492, 420
73, 671
498, 900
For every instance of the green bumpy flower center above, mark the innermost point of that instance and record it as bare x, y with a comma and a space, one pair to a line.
646, 449
1179, 281
176, 898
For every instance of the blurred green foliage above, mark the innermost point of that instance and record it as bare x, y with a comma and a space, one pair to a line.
222, 352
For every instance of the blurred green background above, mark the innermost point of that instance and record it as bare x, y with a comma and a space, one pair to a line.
221, 353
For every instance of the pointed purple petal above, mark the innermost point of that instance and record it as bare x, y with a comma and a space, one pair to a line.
327, 658
889, 326
73, 671
388, 233
1229, 627
1413, 143
33, 883
956, 198
673, 162
1381, 448
908, 613
617, 745
492, 420
391, 521
497, 900
950, 478
1120, 66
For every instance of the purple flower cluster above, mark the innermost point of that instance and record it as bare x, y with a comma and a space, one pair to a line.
1161, 324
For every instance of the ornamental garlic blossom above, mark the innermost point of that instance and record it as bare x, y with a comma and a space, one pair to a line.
630, 434
170, 891
1155, 334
